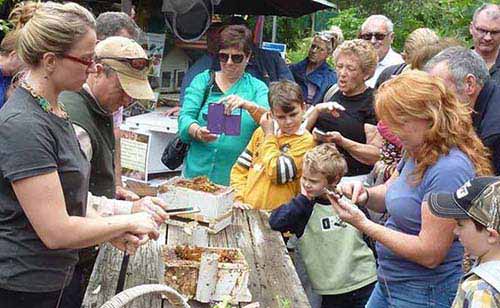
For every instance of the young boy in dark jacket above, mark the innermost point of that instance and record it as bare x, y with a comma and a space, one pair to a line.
338, 261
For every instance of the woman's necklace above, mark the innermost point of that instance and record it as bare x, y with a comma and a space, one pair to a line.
44, 103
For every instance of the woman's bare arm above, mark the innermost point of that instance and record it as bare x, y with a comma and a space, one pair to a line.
42, 200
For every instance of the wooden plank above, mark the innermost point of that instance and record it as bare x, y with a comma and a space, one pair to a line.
177, 236
207, 277
276, 270
218, 239
239, 236
143, 268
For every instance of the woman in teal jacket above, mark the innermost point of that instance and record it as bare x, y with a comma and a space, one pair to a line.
214, 155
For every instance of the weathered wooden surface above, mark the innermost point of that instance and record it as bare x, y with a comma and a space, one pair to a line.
272, 280
143, 268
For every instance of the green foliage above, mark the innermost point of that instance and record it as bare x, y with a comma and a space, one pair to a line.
449, 18
5, 25
350, 21
283, 302
300, 52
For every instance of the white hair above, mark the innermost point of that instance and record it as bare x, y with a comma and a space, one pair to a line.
388, 23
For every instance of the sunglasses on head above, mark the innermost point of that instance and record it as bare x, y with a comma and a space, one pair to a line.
368, 36
224, 57
136, 63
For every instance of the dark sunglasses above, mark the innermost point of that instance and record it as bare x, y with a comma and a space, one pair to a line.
224, 57
86, 62
316, 47
136, 63
368, 36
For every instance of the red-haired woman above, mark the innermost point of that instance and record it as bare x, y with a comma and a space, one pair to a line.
419, 256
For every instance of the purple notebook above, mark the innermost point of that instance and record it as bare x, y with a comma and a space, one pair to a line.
219, 123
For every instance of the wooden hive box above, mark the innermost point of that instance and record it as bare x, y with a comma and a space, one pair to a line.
207, 274
213, 225
215, 207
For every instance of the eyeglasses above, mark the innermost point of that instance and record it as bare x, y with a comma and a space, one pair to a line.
86, 62
224, 57
136, 63
378, 36
484, 32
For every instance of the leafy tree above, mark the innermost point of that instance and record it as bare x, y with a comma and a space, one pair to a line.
449, 18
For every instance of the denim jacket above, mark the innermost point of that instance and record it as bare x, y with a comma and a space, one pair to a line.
323, 78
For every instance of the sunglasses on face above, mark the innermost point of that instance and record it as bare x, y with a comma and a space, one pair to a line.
86, 62
368, 36
237, 58
317, 47
136, 63
484, 32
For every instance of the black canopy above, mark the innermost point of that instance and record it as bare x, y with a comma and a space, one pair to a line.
289, 8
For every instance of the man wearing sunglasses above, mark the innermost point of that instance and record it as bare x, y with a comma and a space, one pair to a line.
485, 31
378, 30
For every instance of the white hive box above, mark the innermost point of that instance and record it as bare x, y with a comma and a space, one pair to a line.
211, 205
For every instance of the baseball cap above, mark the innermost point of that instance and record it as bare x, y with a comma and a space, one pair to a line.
478, 199
121, 53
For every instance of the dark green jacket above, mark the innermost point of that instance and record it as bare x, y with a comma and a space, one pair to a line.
84, 111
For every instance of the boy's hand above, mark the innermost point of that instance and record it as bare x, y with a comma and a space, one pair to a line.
267, 123
241, 205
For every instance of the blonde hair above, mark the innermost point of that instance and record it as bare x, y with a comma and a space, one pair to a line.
423, 54
18, 17
22, 13
363, 50
327, 160
417, 40
416, 95
55, 28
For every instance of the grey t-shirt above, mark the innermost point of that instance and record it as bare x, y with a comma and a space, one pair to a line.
34, 142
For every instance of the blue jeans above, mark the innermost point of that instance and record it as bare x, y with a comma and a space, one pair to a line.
414, 295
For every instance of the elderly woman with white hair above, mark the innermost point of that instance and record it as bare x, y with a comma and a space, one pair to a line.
352, 126
313, 74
